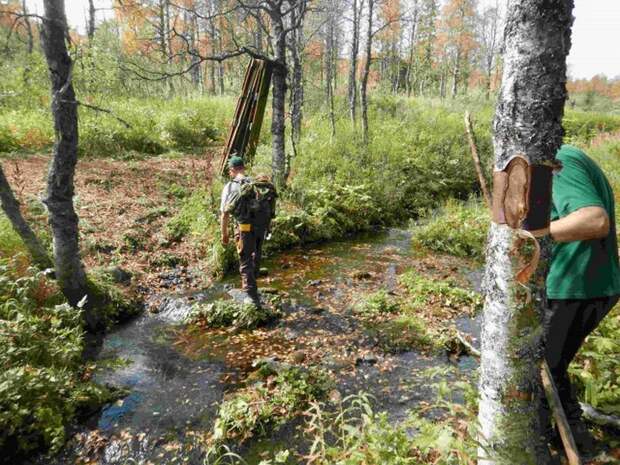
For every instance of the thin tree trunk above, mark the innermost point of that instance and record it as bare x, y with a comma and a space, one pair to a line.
63, 219
10, 207
297, 83
355, 45
329, 71
456, 73
278, 105
366, 73
90, 27
527, 123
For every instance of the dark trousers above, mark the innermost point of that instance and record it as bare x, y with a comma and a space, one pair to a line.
569, 322
249, 246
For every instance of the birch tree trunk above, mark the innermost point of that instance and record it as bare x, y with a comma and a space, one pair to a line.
10, 207
366, 73
527, 134
63, 219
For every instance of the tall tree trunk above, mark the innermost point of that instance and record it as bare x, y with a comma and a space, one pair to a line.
527, 123
10, 207
90, 27
63, 219
366, 73
414, 24
456, 71
278, 105
296, 41
28, 27
329, 70
355, 45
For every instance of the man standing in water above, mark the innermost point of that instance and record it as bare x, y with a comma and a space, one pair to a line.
583, 284
251, 202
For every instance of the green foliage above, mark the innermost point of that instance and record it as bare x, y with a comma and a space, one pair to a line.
10, 243
153, 127
198, 220
596, 367
582, 127
41, 389
460, 229
378, 303
356, 435
269, 403
403, 333
224, 313
424, 291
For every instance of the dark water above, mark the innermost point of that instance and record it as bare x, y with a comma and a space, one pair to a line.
174, 388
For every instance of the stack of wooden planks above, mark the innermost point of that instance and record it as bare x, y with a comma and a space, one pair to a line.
245, 127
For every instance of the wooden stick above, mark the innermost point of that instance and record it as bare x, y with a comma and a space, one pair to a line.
560, 417
474, 154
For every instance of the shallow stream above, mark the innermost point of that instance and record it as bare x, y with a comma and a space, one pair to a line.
175, 376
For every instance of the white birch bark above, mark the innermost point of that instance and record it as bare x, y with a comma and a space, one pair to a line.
527, 121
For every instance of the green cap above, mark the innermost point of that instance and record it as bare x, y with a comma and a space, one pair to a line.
235, 162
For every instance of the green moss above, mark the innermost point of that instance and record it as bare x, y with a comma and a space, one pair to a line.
424, 291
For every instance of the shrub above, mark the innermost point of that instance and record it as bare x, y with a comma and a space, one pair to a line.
460, 229
223, 313
41, 389
356, 435
378, 303
423, 291
281, 396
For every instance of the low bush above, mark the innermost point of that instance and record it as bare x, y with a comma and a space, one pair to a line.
357, 435
459, 228
378, 303
280, 395
581, 127
41, 386
422, 291
224, 313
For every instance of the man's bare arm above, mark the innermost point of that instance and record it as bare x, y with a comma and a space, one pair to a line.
582, 225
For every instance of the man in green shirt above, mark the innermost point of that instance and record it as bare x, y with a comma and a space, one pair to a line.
583, 284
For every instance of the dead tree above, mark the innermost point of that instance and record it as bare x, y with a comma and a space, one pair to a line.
63, 219
527, 134
10, 207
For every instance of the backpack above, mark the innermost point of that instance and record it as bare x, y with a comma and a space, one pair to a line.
254, 202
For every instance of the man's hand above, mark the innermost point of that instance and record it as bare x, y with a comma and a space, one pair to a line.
582, 225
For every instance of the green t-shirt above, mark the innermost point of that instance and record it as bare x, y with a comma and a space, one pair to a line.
582, 269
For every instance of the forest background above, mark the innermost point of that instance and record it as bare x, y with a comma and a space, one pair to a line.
368, 132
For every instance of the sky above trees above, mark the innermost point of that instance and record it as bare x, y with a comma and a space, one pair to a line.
596, 32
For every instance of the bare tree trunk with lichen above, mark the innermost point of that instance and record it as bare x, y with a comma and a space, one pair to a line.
62, 216
527, 134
